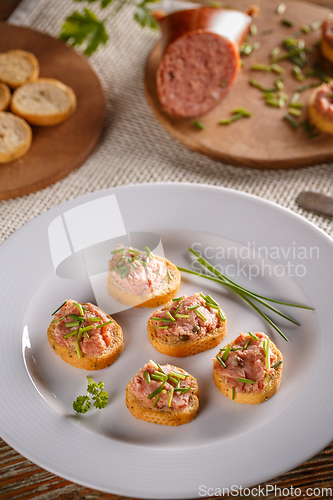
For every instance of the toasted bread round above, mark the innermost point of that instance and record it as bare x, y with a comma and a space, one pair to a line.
159, 297
177, 346
18, 67
44, 102
321, 120
89, 361
250, 397
165, 415
5, 96
15, 137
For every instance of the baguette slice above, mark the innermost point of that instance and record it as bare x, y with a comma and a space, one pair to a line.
44, 102
89, 361
178, 347
15, 137
5, 96
164, 415
323, 121
248, 396
18, 67
155, 299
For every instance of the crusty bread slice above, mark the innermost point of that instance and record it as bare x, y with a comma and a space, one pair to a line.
5, 96
156, 299
171, 345
18, 67
87, 361
15, 137
317, 118
44, 102
165, 415
248, 397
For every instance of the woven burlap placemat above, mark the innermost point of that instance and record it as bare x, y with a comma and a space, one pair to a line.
134, 147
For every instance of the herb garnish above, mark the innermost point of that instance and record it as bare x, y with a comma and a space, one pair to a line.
97, 394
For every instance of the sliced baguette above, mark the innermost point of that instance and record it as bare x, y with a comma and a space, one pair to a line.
165, 415
18, 67
249, 397
319, 119
155, 299
15, 137
44, 102
5, 96
87, 361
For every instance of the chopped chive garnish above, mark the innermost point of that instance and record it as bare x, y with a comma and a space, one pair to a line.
157, 398
86, 328
147, 259
220, 313
182, 389
77, 318
233, 393
199, 125
79, 336
245, 380
72, 323
253, 29
281, 8
295, 112
275, 52
70, 334
149, 253
160, 319
170, 396
122, 261
147, 376
200, 314
104, 324
170, 316
77, 347
237, 349
210, 299
125, 273
159, 270
162, 327
296, 105
254, 337
177, 299
193, 307
153, 363
287, 22
94, 318
158, 376
213, 306
134, 252
169, 274
221, 362
291, 120
161, 369
59, 319
246, 344
182, 316
119, 259
277, 364
80, 306
62, 305
179, 306
154, 393
142, 262
175, 381
87, 335
178, 375
117, 251
266, 351
226, 353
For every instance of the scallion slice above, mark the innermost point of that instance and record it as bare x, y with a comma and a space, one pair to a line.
162, 327
70, 334
226, 353
254, 337
147, 376
191, 308
221, 362
77, 347
94, 318
157, 398
62, 305
245, 380
149, 253
153, 364
177, 299
246, 344
169, 274
267, 376
277, 364
72, 323
200, 314
220, 313
182, 316
160, 319
104, 324
117, 251
178, 375
179, 306
170, 316
157, 391
59, 319
182, 389
161, 369
170, 396
233, 393
77, 318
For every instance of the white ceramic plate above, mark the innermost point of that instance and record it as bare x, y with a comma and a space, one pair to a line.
228, 444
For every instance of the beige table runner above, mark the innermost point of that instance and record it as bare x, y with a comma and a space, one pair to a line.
134, 147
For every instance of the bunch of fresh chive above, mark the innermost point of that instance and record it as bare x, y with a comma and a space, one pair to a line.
77, 321
172, 377
244, 293
124, 263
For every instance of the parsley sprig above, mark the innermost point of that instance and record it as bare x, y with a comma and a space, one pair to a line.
95, 392
86, 29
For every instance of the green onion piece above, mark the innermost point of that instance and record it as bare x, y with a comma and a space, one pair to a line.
134, 252
159, 270
254, 337
162, 327
253, 29
59, 319
182, 316
287, 22
266, 351
245, 380
72, 323
125, 273
175, 381
200, 314
170, 396
160, 319
246, 344
267, 376
157, 398
221, 362
160, 368
86, 334
177, 299
179, 305
296, 105
62, 305
147, 376
178, 375
305, 28
170, 316
294, 98
220, 313
87, 328
182, 389
131, 263
94, 318
306, 87
213, 306
117, 251
237, 349
147, 259
226, 353
233, 393
120, 257
80, 308
169, 274
261, 67
190, 308
70, 334
142, 262
154, 364
104, 324
257, 84
77, 347
291, 120
199, 125
281, 8
158, 376
77, 318
210, 299
294, 112
277, 69
277, 364
154, 393
149, 253
279, 83
275, 52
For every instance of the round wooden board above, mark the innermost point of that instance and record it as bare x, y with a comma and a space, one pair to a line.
56, 150
265, 140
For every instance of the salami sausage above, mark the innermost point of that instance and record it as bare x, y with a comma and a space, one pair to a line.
200, 58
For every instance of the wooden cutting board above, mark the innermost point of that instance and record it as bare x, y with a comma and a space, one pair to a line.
57, 150
265, 140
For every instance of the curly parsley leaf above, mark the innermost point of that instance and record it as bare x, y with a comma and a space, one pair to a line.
79, 28
99, 397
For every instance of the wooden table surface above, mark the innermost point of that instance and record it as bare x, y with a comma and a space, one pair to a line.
22, 479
